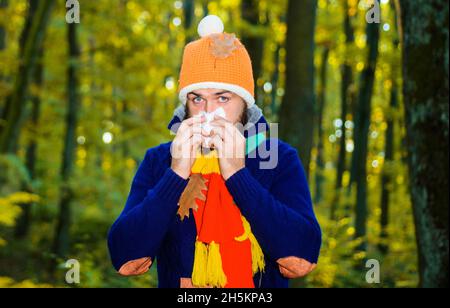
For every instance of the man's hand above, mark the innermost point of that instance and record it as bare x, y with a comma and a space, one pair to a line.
230, 145
185, 145
294, 267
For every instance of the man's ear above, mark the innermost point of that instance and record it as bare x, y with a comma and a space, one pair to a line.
187, 114
244, 115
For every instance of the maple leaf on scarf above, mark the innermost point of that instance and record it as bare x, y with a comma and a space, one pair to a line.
192, 192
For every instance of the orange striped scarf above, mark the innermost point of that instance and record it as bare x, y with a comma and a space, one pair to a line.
227, 253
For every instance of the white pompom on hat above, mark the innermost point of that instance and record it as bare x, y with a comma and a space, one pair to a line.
211, 24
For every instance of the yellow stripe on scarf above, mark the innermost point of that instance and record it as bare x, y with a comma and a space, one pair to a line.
206, 164
258, 263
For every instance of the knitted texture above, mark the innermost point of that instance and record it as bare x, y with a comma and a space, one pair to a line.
217, 58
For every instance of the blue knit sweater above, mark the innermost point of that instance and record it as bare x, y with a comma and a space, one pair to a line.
276, 202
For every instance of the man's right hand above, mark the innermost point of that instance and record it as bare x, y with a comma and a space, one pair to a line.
185, 146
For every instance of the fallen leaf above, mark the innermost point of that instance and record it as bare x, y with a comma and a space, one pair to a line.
193, 191
224, 44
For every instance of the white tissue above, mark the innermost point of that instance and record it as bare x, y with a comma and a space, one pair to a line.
206, 126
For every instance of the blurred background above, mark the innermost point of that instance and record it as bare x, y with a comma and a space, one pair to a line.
366, 105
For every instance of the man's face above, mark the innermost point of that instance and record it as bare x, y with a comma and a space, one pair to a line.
209, 100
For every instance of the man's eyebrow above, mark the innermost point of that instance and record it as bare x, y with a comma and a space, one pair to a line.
216, 94
221, 93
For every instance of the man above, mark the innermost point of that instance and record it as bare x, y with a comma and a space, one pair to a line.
221, 205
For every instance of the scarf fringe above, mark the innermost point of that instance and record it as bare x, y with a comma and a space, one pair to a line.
207, 271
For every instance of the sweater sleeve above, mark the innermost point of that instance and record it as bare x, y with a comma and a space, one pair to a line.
150, 207
281, 218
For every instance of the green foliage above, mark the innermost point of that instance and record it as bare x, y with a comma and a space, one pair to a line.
14, 174
9, 211
128, 70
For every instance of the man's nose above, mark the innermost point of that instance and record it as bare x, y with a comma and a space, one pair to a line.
210, 106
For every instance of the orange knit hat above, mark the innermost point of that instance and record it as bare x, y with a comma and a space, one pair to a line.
217, 60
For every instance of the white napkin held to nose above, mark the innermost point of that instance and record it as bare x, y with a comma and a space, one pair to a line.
209, 118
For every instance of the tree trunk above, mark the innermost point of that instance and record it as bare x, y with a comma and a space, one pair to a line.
297, 109
24, 220
362, 131
275, 82
3, 5
346, 85
253, 43
425, 89
122, 86
386, 178
11, 122
321, 100
61, 244
205, 9
189, 16
347, 105
32, 7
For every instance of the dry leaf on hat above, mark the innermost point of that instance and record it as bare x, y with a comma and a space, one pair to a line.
193, 191
224, 44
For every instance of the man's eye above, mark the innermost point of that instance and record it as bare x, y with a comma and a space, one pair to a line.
224, 99
197, 100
